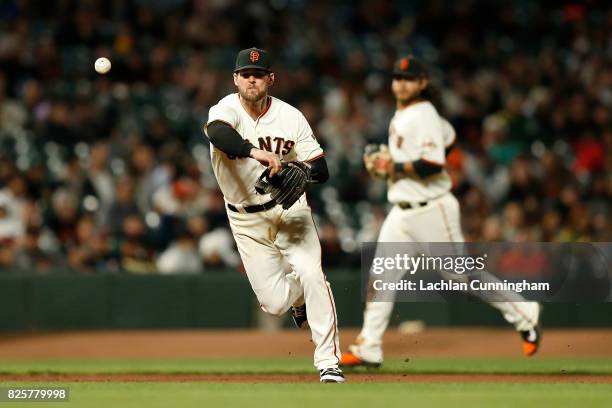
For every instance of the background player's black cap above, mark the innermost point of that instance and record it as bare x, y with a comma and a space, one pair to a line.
254, 58
409, 67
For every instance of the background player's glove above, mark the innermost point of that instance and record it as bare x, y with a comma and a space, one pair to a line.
288, 185
377, 160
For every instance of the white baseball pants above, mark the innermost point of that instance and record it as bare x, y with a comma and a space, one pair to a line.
438, 221
269, 240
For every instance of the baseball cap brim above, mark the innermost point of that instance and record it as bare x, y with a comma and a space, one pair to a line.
402, 74
257, 67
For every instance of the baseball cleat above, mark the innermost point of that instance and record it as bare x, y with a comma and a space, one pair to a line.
332, 375
349, 359
531, 341
300, 317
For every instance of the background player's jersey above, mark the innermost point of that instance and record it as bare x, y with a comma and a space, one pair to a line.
280, 129
419, 132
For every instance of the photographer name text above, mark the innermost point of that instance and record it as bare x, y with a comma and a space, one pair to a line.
451, 286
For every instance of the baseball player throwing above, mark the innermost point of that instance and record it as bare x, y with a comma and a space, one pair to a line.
264, 155
423, 210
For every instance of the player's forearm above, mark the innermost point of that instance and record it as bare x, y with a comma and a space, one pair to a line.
228, 140
418, 168
318, 170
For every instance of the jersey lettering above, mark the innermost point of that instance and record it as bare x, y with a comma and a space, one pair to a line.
265, 144
288, 146
280, 145
279, 142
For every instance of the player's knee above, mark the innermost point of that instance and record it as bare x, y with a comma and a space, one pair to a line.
309, 274
273, 307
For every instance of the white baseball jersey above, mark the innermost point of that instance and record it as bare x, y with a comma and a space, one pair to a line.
281, 129
419, 132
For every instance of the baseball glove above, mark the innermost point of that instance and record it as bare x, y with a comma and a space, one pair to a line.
377, 160
286, 186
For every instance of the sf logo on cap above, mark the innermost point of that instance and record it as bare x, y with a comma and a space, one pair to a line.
404, 64
254, 56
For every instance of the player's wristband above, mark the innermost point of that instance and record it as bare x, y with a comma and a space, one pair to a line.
425, 168
398, 167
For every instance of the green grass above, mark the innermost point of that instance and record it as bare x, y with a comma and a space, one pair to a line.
432, 395
185, 395
302, 365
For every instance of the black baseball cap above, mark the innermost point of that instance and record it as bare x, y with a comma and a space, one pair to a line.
409, 67
253, 58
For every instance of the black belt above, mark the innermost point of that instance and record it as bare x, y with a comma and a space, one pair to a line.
405, 205
254, 208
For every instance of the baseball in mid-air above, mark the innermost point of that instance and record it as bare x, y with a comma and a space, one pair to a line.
102, 65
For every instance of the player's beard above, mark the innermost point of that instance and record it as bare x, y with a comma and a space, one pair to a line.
252, 97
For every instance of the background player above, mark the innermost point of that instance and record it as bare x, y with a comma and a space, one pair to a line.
268, 237
423, 210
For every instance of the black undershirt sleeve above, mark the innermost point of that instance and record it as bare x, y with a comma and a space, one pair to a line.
228, 140
318, 170
425, 168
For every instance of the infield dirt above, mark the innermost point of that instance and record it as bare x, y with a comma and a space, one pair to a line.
432, 342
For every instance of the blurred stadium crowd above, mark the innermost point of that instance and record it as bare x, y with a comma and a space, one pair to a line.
112, 173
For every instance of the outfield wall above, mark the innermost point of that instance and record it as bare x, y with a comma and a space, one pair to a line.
221, 299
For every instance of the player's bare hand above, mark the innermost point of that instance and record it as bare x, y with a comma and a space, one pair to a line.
270, 160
